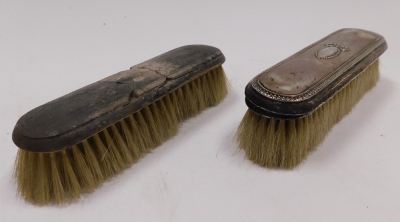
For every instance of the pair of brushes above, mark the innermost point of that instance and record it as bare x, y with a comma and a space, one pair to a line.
72, 144
295, 103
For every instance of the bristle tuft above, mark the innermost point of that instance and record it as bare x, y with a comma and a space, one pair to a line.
285, 144
44, 178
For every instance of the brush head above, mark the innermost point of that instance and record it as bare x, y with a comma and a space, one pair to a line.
71, 145
294, 104
300, 84
77, 116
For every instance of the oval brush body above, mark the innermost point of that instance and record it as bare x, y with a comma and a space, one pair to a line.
72, 144
294, 104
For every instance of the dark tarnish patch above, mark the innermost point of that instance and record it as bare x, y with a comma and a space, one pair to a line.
74, 109
182, 61
142, 80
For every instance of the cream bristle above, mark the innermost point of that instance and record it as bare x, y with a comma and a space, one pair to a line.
285, 144
58, 177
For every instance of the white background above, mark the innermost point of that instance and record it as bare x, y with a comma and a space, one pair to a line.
50, 48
